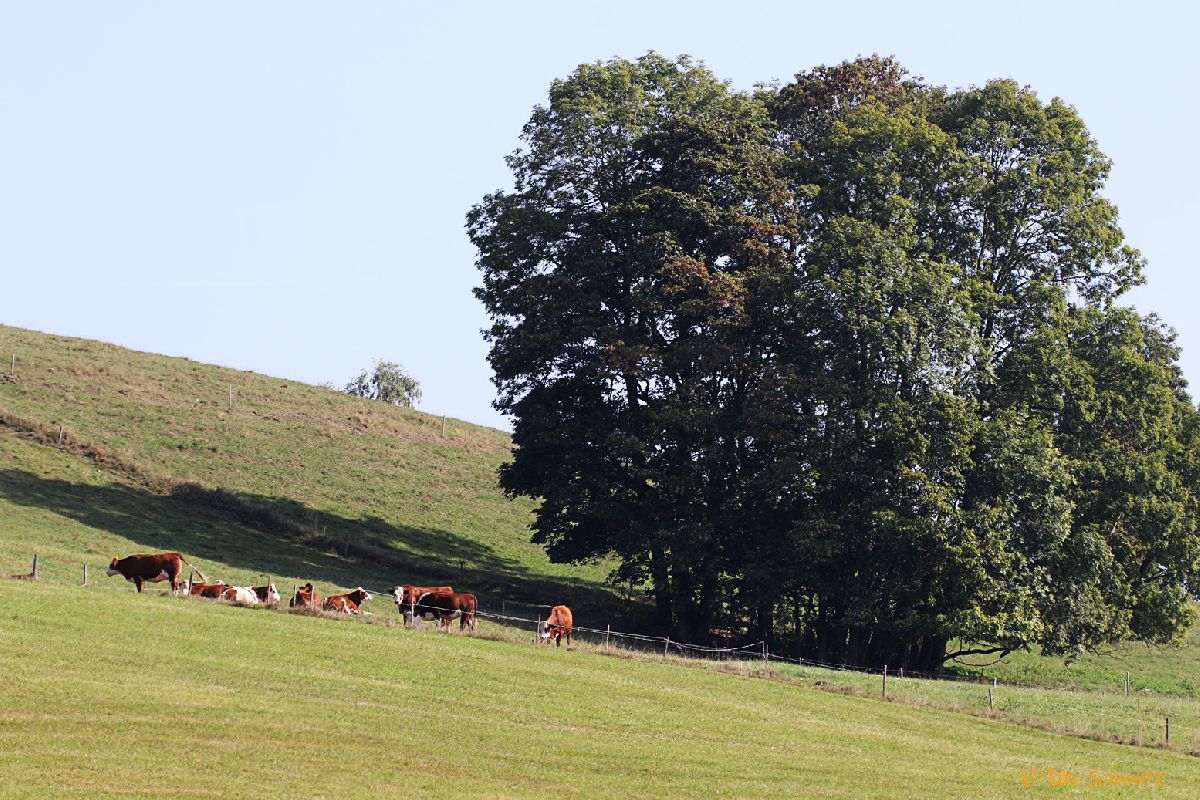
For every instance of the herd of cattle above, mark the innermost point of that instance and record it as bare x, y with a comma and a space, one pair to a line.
440, 603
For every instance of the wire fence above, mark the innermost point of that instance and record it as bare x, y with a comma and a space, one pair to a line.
1147, 720
1138, 718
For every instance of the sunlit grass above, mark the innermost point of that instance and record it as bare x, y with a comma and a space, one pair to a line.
105, 688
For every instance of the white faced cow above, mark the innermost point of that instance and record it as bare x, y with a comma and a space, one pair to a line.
151, 568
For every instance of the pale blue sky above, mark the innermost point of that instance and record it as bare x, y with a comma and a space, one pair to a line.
281, 186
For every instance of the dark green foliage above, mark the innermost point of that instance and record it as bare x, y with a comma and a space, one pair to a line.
839, 363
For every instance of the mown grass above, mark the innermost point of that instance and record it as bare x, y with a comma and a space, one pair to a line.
112, 694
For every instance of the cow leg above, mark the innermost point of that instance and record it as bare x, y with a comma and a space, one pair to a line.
138, 583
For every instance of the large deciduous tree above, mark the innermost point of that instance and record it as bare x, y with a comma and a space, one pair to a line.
839, 362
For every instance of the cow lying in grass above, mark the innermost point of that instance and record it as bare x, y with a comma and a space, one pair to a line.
197, 589
306, 597
347, 603
246, 595
243, 595
267, 595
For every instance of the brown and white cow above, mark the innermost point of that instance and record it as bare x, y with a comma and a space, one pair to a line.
347, 603
444, 607
557, 625
406, 598
267, 595
306, 597
239, 594
198, 589
151, 568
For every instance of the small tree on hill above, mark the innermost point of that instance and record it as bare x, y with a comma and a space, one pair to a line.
389, 383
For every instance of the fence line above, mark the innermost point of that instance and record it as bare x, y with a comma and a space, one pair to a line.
758, 651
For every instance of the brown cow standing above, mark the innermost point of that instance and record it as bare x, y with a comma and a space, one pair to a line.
347, 603
306, 597
557, 624
406, 597
151, 567
445, 607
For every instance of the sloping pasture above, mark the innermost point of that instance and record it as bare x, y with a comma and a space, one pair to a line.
110, 694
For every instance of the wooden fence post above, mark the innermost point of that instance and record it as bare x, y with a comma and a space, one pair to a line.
231, 397
885, 681
85, 575
13, 369
443, 424
1168, 719
990, 706
666, 645
1127, 683
35, 566
765, 661
607, 633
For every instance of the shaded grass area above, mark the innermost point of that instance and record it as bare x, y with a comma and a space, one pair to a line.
218, 701
250, 536
360, 473
70, 513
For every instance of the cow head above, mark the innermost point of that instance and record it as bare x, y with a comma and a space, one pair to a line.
272, 594
360, 596
112, 568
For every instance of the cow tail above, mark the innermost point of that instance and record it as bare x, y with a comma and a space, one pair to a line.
203, 577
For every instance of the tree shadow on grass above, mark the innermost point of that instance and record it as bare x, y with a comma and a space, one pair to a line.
272, 537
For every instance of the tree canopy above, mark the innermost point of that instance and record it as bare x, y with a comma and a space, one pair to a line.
387, 382
839, 362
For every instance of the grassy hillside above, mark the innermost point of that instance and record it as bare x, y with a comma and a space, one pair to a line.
1173, 671
299, 462
112, 694
302, 483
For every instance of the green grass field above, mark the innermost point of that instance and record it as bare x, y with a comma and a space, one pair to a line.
357, 472
108, 694
1161, 670
101, 680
